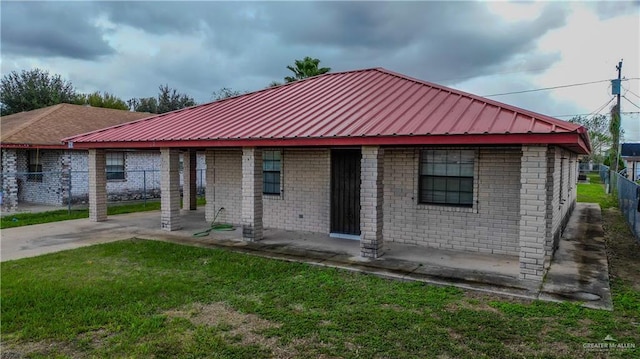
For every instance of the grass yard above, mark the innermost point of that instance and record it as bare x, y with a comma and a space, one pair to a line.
26, 219
593, 192
144, 299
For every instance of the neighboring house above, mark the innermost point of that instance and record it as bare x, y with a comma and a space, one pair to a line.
370, 155
38, 168
630, 153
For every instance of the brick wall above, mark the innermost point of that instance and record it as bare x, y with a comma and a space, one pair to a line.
533, 212
491, 226
48, 191
9, 168
227, 185
305, 199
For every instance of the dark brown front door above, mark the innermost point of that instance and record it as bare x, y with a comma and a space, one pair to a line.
345, 191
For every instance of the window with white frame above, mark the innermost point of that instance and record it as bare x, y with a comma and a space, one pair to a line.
115, 166
446, 177
271, 165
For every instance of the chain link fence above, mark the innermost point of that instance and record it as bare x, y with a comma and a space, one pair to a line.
71, 188
628, 194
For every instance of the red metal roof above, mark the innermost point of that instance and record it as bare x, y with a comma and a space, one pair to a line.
372, 106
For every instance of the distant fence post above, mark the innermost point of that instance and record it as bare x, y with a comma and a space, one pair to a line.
69, 195
144, 187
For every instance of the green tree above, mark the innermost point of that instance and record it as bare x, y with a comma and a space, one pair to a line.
304, 68
104, 99
599, 135
274, 84
614, 129
225, 92
168, 100
143, 104
32, 89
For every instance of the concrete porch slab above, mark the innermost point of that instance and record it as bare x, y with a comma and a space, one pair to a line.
578, 272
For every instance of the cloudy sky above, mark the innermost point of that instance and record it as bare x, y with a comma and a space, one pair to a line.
130, 48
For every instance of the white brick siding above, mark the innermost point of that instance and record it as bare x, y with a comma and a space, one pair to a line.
140, 166
226, 168
491, 226
305, 199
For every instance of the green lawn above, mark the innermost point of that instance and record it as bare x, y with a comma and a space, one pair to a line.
593, 192
146, 299
154, 299
25, 219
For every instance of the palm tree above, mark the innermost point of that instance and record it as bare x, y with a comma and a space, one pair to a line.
307, 67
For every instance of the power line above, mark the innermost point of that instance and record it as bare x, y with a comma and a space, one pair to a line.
633, 93
631, 102
547, 88
588, 114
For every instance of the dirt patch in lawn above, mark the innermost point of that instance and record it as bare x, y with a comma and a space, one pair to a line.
247, 327
43, 348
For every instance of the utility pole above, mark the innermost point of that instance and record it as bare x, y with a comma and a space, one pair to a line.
619, 68
616, 121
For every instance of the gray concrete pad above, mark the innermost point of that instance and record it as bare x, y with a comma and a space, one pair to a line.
578, 270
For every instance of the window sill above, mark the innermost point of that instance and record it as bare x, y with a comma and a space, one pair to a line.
446, 208
271, 196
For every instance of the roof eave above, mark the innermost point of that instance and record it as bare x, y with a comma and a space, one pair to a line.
570, 140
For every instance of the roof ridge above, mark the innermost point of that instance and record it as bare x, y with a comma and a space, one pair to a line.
52, 109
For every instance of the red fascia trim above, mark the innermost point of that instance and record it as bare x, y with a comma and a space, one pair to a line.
27, 146
563, 139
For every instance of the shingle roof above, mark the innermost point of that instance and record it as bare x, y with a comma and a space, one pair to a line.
372, 106
630, 150
48, 126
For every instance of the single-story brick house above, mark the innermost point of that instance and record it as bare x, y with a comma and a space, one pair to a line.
37, 167
630, 154
370, 155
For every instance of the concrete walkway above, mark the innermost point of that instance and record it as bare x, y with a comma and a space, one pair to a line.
568, 277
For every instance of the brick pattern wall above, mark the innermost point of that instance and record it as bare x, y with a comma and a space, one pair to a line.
562, 177
252, 194
9, 179
48, 191
170, 187
224, 176
304, 204
491, 226
533, 212
97, 186
371, 202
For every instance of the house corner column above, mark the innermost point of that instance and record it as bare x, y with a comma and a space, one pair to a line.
170, 189
97, 185
189, 194
371, 201
9, 180
251, 194
533, 212
209, 191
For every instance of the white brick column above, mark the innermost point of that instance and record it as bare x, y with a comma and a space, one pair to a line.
251, 194
170, 189
9, 180
209, 191
97, 185
533, 212
371, 200
189, 195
